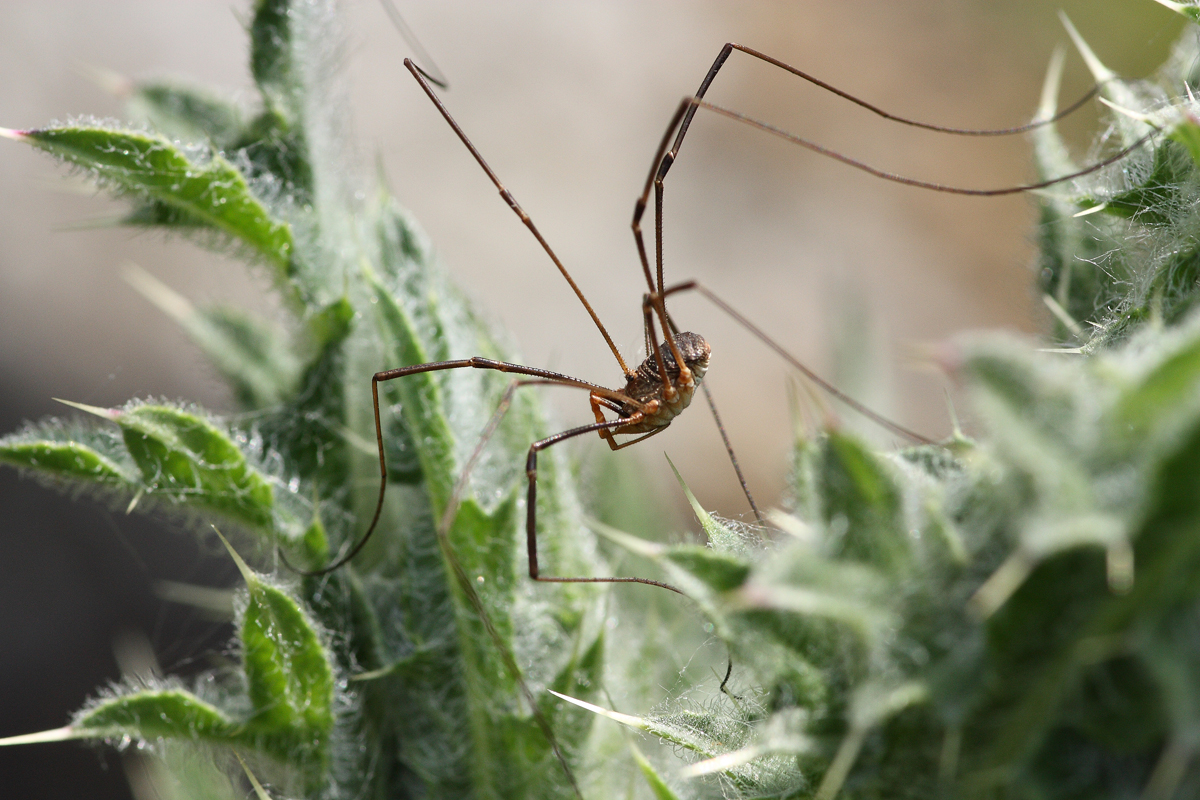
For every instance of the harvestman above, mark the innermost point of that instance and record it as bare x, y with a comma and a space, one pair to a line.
663, 385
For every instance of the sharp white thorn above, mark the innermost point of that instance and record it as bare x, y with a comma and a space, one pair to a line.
1134, 115
1100, 72
1048, 105
1093, 210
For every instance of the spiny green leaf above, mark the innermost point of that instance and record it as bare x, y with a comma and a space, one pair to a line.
421, 398
281, 61
289, 679
1150, 201
315, 541
1187, 133
713, 530
860, 493
689, 730
69, 459
205, 187
158, 713
251, 354
313, 431
819, 603
271, 58
332, 324
186, 457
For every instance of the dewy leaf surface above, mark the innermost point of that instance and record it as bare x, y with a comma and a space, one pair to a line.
288, 675
184, 456
158, 714
71, 460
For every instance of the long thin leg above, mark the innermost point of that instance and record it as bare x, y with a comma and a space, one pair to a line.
639, 206
531, 508
678, 126
737, 468
662, 164
663, 159
712, 406
431, 70
832, 390
682, 120
544, 375
508, 198
902, 179
731, 46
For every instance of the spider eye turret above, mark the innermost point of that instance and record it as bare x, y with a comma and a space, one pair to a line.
692, 347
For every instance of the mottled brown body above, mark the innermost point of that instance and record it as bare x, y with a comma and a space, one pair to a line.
650, 394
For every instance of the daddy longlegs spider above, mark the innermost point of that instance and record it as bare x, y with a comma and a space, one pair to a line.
663, 385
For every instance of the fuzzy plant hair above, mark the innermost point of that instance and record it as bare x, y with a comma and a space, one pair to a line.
1010, 616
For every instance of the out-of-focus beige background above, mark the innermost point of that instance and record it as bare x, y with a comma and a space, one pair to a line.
567, 101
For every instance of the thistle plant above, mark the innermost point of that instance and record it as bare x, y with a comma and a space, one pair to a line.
1014, 615
396, 676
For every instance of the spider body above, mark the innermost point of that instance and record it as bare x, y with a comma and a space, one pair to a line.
657, 402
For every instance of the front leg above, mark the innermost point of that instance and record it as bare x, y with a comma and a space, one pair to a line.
605, 433
531, 507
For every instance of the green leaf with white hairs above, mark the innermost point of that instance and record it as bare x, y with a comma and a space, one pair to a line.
289, 679
1187, 133
289, 691
186, 458
75, 454
277, 67
69, 460
1167, 386
720, 572
861, 498
204, 186
152, 714
715, 532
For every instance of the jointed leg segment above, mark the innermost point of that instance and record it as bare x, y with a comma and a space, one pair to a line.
600, 396
531, 504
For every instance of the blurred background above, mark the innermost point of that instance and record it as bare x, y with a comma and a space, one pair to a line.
567, 101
